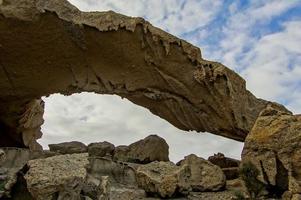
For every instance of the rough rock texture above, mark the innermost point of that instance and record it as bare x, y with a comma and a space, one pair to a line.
13, 161
160, 178
152, 148
127, 194
68, 147
229, 166
60, 177
204, 176
101, 149
274, 146
220, 160
119, 173
109, 53
224, 195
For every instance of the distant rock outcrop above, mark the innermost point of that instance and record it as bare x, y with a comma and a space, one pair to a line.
229, 166
68, 147
152, 148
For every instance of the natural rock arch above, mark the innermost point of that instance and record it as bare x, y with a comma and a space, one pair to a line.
51, 47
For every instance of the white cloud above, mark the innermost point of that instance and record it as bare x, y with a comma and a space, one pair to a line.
89, 117
176, 17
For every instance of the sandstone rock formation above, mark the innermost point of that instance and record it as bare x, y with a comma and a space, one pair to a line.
109, 53
204, 176
161, 178
13, 161
274, 146
101, 149
57, 177
68, 147
151, 148
229, 166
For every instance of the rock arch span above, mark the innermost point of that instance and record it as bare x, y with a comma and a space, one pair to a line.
51, 47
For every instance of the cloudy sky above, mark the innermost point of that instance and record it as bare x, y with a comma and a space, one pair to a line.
259, 39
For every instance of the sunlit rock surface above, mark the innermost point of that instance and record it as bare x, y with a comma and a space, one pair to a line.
51, 47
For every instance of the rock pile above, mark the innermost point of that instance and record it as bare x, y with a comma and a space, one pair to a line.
229, 166
74, 171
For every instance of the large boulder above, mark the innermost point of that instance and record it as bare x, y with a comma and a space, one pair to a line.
101, 149
229, 166
13, 160
160, 178
109, 53
60, 177
68, 147
222, 161
274, 147
149, 149
204, 176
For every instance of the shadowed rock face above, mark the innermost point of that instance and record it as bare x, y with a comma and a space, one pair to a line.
51, 47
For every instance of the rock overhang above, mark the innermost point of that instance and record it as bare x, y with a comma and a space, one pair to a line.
51, 47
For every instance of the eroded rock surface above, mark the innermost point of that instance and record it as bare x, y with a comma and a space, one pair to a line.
229, 166
12, 161
152, 148
109, 53
203, 175
101, 149
68, 147
160, 178
274, 146
57, 177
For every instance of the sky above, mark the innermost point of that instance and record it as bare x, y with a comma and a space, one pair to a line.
259, 39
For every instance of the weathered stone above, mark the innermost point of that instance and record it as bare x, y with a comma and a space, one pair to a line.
224, 195
274, 146
149, 149
68, 147
101, 149
2, 155
13, 161
109, 53
62, 176
127, 194
204, 176
160, 178
231, 172
118, 173
220, 160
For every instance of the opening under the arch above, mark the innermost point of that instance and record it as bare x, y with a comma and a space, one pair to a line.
89, 117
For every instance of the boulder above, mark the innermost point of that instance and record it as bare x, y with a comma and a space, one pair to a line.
149, 149
13, 160
109, 53
160, 178
101, 149
68, 147
119, 173
222, 161
204, 176
61, 176
231, 172
274, 147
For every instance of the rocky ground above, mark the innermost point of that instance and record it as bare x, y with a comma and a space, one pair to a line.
109, 53
141, 170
